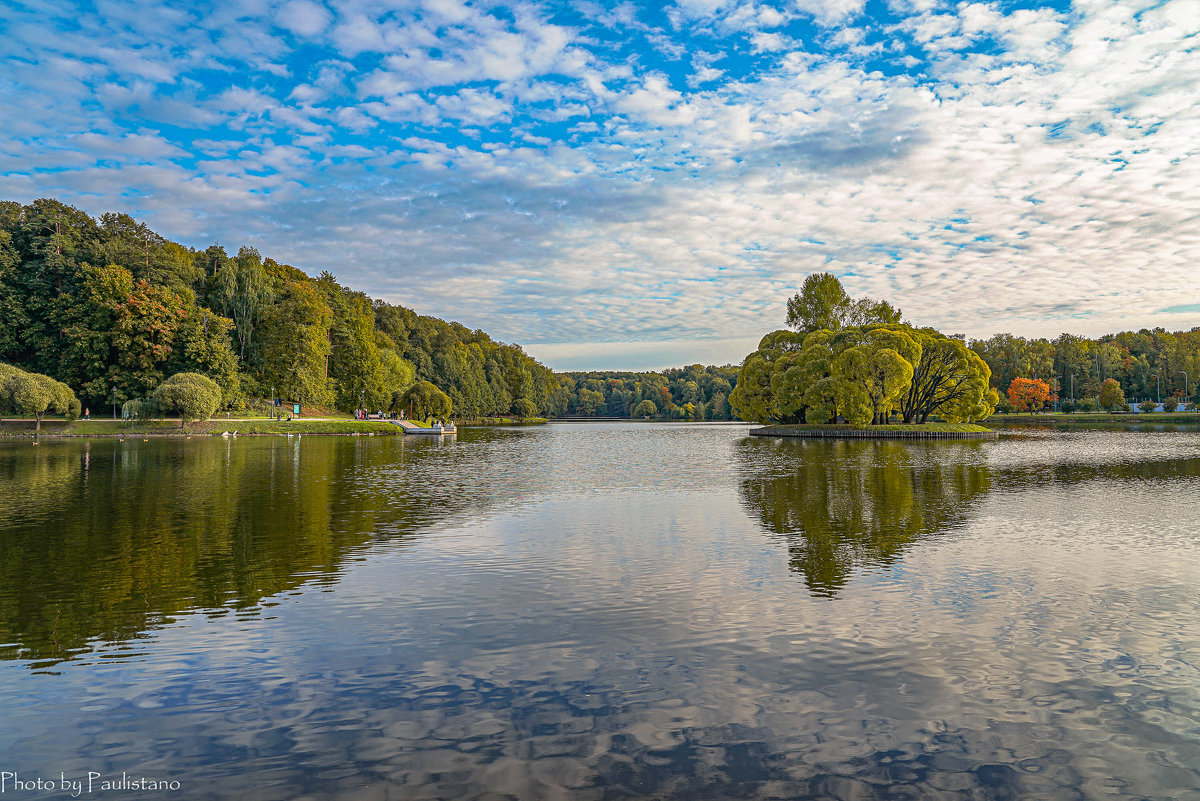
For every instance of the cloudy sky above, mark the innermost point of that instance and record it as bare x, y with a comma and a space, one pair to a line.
640, 185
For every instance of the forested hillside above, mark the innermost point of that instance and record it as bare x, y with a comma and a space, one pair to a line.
687, 393
110, 307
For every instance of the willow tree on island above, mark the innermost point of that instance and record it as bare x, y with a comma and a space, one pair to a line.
859, 373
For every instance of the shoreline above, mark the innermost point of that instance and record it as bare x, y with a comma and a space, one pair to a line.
926, 431
116, 429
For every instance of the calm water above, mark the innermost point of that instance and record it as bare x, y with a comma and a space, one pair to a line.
604, 612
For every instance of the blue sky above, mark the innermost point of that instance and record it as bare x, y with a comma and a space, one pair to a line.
641, 185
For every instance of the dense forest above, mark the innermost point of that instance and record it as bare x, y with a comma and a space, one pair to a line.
111, 309
1150, 364
688, 393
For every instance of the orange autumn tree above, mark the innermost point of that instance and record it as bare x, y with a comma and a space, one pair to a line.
1028, 394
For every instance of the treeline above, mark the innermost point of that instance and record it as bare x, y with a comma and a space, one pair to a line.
1146, 364
694, 392
111, 309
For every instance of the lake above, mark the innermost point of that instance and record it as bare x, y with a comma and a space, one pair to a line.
603, 611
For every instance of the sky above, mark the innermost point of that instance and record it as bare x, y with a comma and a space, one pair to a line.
640, 185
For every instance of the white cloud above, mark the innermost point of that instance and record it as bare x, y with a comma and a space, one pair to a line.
304, 17
546, 186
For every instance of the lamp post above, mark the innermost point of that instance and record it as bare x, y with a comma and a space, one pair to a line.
1072, 386
272, 403
1158, 379
1185, 384
114, 401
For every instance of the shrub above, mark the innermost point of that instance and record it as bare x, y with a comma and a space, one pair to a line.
191, 395
1068, 406
1088, 405
1148, 406
1171, 404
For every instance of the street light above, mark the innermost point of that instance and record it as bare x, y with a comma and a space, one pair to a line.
1072, 386
1185, 380
114, 401
272, 403
1158, 378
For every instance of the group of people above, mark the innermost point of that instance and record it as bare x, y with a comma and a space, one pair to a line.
363, 414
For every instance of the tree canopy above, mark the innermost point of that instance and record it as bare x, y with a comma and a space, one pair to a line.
853, 360
423, 400
822, 303
36, 394
110, 304
190, 395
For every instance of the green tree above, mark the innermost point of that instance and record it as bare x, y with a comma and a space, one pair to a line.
645, 409
241, 290
294, 343
6, 372
354, 364
1111, 395
949, 380
203, 345
523, 408
118, 331
12, 310
54, 240
881, 365
421, 401
822, 303
37, 394
191, 395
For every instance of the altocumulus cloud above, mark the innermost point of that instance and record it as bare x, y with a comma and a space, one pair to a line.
641, 185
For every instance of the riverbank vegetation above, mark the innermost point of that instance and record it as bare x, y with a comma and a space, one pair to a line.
111, 309
214, 427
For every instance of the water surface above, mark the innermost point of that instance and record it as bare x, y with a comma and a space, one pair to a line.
606, 612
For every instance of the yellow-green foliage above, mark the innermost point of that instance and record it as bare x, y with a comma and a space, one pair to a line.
36, 394
192, 395
864, 375
422, 400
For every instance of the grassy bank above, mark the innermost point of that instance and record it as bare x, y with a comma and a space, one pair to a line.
117, 428
503, 421
918, 431
1054, 418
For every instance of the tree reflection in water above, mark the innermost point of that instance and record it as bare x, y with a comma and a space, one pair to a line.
103, 540
849, 505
